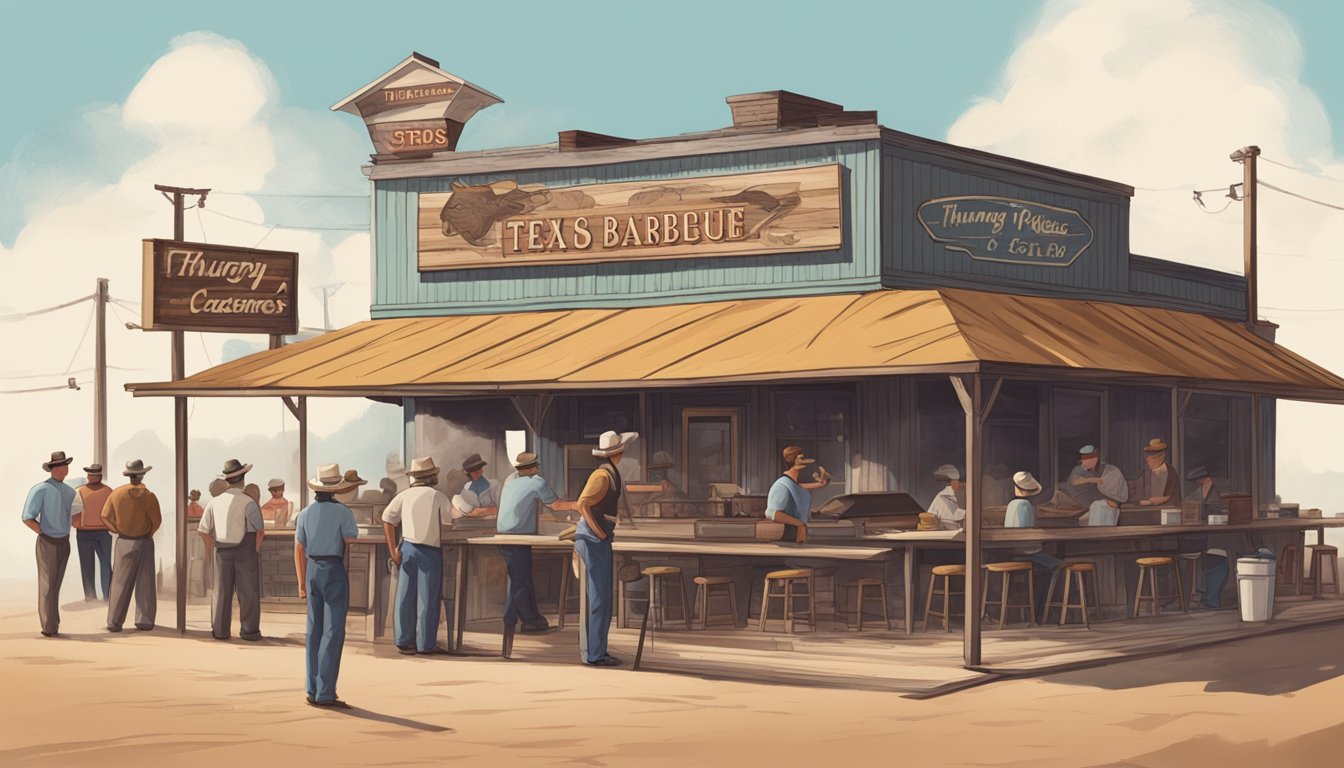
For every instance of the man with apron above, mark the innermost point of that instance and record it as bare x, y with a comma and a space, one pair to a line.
598, 505
232, 525
320, 534
420, 511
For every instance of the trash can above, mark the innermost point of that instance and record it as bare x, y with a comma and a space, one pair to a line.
1255, 588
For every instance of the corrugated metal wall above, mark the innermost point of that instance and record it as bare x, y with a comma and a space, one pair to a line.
1223, 295
401, 290
911, 178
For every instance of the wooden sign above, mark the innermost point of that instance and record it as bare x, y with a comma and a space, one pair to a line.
407, 138
1007, 230
503, 224
199, 287
384, 99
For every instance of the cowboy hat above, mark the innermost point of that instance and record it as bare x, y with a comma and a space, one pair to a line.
94, 469
234, 468
946, 472
135, 467
1088, 451
1026, 482
1155, 446
1197, 473
612, 443
526, 459
661, 460
473, 463
793, 457
274, 483
423, 467
58, 459
330, 480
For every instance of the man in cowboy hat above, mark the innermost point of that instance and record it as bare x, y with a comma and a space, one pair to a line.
1099, 486
660, 471
1215, 561
232, 524
523, 491
320, 534
91, 535
1159, 482
477, 499
1021, 512
790, 500
132, 512
598, 508
420, 511
47, 512
948, 506
277, 510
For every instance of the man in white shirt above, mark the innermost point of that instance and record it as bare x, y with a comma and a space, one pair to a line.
231, 524
946, 506
478, 498
420, 511
1099, 486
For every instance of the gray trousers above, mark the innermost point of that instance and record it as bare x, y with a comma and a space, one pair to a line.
238, 570
132, 572
52, 555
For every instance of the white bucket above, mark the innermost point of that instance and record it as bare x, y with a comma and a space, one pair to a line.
1255, 588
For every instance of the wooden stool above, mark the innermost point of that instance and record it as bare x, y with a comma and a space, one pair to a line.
1195, 559
656, 602
1290, 567
786, 579
944, 572
703, 586
860, 586
1322, 555
1006, 572
1148, 568
566, 578
1074, 573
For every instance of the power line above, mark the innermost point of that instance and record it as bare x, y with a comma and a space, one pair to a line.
1302, 170
364, 228
1283, 191
38, 389
76, 371
293, 194
36, 312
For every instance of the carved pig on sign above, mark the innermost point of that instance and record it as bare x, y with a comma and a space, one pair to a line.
472, 211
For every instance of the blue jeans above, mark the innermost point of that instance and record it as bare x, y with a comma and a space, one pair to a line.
1215, 577
419, 595
593, 631
520, 600
328, 603
91, 543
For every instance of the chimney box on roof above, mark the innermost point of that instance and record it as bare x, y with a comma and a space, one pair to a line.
770, 110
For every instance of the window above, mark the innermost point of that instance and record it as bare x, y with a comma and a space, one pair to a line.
1012, 441
815, 422
515, 442
1216, 436
709, 448
941, 435
1078, 418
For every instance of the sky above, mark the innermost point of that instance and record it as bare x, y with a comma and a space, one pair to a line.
104, 100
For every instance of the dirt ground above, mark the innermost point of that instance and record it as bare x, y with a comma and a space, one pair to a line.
158, 699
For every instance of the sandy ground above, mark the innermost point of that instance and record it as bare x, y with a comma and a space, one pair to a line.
159, 699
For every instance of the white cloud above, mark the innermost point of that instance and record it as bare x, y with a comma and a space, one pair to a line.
1157, 93
205, 114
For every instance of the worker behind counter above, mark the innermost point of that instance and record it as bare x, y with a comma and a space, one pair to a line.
1099, 486
949, 506
790, 500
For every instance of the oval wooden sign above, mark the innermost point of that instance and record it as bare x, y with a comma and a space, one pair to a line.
1007, 230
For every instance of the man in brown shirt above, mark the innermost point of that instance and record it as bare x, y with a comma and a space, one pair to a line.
91, 536
132, 512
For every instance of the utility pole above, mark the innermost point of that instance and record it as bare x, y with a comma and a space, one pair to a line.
174, 195
100, 375
1250, 196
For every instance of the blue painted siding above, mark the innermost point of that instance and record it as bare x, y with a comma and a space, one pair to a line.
1213, 292
401, 290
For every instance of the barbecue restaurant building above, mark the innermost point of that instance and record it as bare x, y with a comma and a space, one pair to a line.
801, 276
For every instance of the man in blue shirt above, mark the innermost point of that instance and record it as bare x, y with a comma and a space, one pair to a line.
320, 534
47, 512
789, 501
523, 491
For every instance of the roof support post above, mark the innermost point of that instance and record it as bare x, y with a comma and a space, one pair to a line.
970, 390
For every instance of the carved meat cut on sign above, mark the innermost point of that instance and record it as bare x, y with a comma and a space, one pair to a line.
505, 224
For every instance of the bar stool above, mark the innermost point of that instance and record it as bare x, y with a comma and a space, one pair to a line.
567, 577
1148, 567
1290, 566
659, 575
1321, 555
704, 586
1006, 572
860, 587
1074, 572
786, 579
1195, 559
944, 572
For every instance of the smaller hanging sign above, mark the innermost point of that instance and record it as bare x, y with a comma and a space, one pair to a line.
1007, 230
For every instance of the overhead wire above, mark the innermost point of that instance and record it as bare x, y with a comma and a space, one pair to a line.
363, 228
44, 310
1282, 191
39, 389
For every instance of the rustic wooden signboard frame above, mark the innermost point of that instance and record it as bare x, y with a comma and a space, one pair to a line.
1006, 230
504, 224
218, 288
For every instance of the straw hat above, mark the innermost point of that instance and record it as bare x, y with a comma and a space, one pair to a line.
330, 480
1155, 446
423, 467
526, 459
612, 443
234, 468
946, 473
58, 459
1026, 482
135, 467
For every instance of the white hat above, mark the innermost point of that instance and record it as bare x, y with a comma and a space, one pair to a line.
330, 480
946, 472
275, 482
423, 467
612, 443
1026, 482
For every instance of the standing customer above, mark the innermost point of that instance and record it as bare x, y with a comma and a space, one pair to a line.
132, 512
47, 512
91, 535
524, 490
320, 534
598, 505
420, 511
232, 525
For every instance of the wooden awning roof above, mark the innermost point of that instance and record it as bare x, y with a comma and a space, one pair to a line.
838, 336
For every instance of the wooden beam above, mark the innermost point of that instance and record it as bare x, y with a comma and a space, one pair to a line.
1185, 401
291, 405
1255, 456
989, 403
963, 395
302, 415
974, 509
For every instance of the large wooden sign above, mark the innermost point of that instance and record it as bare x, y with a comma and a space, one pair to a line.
1007, 230
503, 224
411, 138
200, 287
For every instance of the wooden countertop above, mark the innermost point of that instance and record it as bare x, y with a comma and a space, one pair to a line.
1103, 533
705, 547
